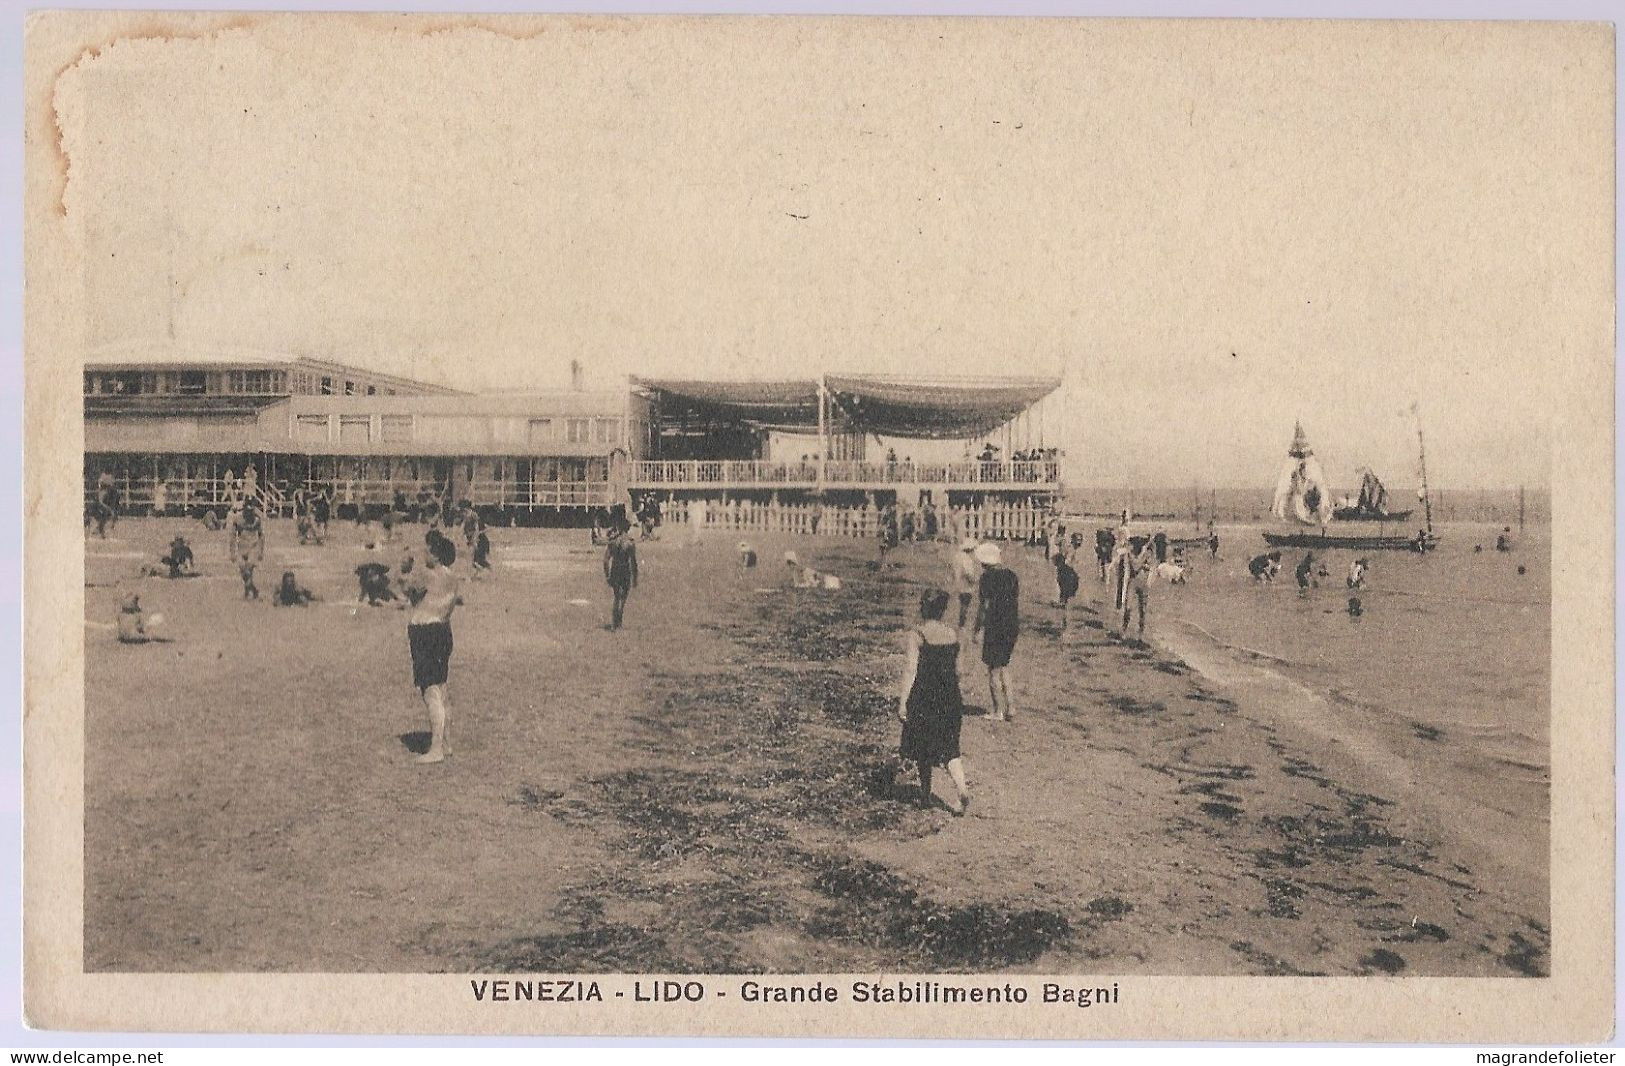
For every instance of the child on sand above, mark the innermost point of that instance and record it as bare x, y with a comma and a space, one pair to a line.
290, 593
433, 596
133, 621
179, 561
248, 546
1303, 571
928, 702
374, 581
482, 550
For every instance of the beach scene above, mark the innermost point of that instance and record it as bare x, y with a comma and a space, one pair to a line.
1264, 786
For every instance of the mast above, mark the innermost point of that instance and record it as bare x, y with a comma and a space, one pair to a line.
1422, 451
823, 429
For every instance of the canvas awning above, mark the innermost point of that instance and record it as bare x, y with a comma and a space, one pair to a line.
934, 410
763, 404
929, 409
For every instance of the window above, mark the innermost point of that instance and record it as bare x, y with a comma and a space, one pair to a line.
91, 381
606, 430
254, 382
396, 429
355, 429
192, 383
311, 428
126, 383
541, 431
349, 388
578, 430
327, 386
372, 390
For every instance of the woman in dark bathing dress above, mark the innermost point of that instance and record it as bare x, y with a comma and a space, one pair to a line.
929, 704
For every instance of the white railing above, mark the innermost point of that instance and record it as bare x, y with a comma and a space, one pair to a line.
746, 472
142, 495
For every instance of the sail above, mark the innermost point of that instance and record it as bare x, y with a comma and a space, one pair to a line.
1373, 494
1301, 492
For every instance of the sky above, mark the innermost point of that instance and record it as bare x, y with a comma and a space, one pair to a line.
1207, 231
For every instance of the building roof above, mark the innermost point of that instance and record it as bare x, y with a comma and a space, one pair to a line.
145, 355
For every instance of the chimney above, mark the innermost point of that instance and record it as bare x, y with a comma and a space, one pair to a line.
575, 374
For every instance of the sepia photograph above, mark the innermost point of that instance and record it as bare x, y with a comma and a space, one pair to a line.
991, 509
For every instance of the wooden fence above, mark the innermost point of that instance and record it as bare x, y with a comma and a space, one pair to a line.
1016, 522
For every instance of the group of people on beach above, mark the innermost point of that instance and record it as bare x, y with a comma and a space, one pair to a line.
930, 704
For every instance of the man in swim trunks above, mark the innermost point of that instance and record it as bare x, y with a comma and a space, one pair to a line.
997, 623
621, 567
432, 593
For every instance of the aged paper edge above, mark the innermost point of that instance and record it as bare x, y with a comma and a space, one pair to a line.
1575, 1004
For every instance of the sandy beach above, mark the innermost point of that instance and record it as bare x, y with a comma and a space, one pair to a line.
706, 790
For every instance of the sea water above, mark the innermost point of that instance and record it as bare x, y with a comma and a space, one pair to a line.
1443, 677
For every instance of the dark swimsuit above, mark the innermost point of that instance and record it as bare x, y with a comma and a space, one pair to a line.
935, 708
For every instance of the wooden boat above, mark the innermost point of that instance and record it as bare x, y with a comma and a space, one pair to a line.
1326, 540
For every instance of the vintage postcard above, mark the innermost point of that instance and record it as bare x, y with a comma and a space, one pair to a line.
1043, 528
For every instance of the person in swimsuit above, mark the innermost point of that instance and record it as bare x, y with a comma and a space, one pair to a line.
1303, 571
132, 622
620, 569
1105, 548
373, 579
289, 593
1140, 566
179, 561
321, 510
929, 704
1066, 583
248, 546
967, 574
433, 596
997, 623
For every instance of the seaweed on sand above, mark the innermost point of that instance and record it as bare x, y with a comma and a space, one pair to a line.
873, 905
604, 949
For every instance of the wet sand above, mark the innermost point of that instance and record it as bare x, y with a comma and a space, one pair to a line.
707, 789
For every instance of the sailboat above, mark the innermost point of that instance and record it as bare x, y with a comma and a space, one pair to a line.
1372, 505
1302, 496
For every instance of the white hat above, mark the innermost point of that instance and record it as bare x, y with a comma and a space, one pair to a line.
967, 545
987, 554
